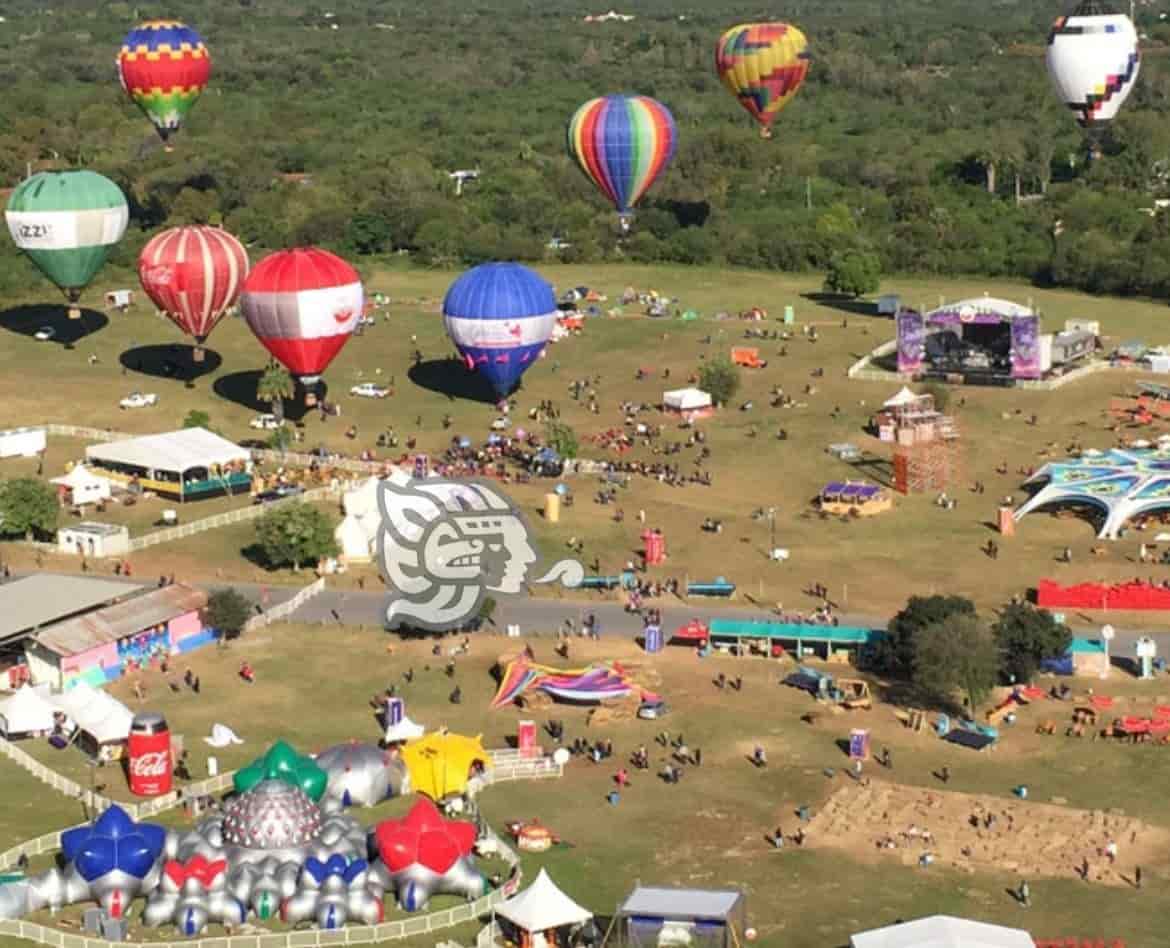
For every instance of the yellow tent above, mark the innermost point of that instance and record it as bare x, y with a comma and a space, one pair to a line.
440, 763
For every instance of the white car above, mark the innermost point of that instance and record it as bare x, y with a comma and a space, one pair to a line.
138, 400
369, 390
45, 333
266, 422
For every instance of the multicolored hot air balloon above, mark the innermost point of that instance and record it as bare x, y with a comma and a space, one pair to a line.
303, 306
164, 67
500, 317
622, 143
762, 65
1093, 60
67, 221
194, 275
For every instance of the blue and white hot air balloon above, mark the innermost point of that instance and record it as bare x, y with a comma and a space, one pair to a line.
500, 317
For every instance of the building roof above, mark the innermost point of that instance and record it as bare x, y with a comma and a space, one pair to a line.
543, 906
45, 597
126, 618
1086, 647
796, 631
170, 451
943, 931
665, 902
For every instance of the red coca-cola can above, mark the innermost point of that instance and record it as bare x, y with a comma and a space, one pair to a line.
150, 767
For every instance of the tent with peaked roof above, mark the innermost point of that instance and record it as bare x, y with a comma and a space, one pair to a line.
83, 486
404, 730
98, 714
943, 931
543, 906
902, 399
26, 712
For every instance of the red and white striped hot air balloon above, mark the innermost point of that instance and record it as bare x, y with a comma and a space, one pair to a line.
194, 275
303, 305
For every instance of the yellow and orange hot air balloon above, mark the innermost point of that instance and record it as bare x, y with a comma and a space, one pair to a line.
762, 65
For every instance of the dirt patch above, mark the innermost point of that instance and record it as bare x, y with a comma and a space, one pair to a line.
970, 833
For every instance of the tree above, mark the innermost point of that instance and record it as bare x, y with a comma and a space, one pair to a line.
28, 508
274, 387
854, 272
957, 654
1026, 636
228, 611
197, 419
719, 378
894, 653
297, 533
280, 439
562, 439
940, 393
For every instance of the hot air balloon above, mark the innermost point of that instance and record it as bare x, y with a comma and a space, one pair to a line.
500, 317
194, 275
762, 65
303, 306
1093, 60
67, 221
164, 67
622, 143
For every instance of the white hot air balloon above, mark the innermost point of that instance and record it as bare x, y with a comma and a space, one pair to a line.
1093, 60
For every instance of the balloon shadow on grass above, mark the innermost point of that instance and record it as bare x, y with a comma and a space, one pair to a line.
66, 332
452, 378
170, 361
241, 387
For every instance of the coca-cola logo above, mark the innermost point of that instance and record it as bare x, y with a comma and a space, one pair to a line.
149, 765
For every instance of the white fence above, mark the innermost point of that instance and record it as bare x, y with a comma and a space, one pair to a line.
291, 459
861, 368
285, 609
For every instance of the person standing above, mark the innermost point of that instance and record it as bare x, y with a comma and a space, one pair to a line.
1137, 876
1025, 894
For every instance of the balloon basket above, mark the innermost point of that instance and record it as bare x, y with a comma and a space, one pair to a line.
199, 355
310, 399
74, 312
765, 133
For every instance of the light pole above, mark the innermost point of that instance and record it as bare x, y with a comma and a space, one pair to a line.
772, 526
1107, 633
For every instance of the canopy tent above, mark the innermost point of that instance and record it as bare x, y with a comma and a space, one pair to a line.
543, 906
440, 764
404, 730
902, 399
352, 539
83, 485
943, 931
26, 712
686, 399
99, 715
175, 451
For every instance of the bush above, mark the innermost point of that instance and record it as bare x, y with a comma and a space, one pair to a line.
853, 273
720, 379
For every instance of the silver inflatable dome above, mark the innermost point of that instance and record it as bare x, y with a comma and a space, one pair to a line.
272, 815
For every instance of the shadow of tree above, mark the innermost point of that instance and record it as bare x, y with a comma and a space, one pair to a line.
240, 388
844, 304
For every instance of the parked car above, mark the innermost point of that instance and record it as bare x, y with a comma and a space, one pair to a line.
266, 422
138, 400
369, 390
653, 710
280, 492
45, 333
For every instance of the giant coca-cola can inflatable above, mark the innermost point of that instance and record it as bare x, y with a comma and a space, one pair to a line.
149, 754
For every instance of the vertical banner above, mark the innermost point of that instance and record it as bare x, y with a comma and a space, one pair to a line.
911, 340
652, 636
394, 711
526, 739
1026, 347
858, 745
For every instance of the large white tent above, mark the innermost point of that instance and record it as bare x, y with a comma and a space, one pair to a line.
176, 451
26, 712
687, 400
543, 906
83, 485
943, 931
99, 715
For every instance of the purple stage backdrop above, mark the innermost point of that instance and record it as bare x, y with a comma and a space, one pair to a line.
1026, 347
911, 340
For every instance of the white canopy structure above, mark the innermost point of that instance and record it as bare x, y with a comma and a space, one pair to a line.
983, 304
543, 906
404, 730
686, 399
99, 715
175, 451
943, 931
26, 712
83, 485
902, 399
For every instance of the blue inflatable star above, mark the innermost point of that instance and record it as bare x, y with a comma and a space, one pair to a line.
114, 842
335, 865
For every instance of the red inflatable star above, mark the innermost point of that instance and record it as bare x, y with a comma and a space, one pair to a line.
425, 837
197, 867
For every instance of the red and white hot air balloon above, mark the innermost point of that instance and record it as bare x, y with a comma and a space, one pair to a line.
303, 306
194, 275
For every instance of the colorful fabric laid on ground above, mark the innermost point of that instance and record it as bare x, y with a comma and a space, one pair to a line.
585, 685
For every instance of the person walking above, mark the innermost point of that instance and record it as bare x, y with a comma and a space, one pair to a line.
1025, 894
1137, 877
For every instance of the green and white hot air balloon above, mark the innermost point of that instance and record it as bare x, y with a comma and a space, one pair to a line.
67, 221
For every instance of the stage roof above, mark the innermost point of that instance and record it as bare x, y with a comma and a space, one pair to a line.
982, 304
45, 597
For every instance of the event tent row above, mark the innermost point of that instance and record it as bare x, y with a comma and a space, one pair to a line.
30, 710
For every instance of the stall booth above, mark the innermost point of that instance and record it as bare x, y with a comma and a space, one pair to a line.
690, 403
190, 464
658, 916
541, 916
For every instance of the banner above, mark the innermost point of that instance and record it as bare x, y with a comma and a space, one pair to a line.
1026, 347
911, 340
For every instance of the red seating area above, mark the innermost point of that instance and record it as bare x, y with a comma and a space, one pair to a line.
1124, 596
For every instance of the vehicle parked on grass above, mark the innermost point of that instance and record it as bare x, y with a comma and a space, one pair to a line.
139, 400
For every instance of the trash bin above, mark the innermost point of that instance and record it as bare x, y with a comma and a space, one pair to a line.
212, 766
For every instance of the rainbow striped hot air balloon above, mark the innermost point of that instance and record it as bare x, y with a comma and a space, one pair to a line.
622, 143
164, 67
762, 65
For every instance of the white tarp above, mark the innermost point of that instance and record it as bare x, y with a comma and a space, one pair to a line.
543, 906
101, 716
943, 931
404, 730
26, 711
686, 399
174, 451
84, 486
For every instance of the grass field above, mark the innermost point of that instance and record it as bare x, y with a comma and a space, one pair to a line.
871, 567
708, 830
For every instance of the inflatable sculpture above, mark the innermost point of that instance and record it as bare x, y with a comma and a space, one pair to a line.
191, 894
362, 774
440, 764
281, 762
424, 854
262, 886
334, 892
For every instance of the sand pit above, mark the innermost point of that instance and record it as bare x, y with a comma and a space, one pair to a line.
973, 833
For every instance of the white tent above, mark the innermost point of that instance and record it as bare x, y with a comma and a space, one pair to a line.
352, 539
98, 714
543, 906
404, 730
83, 485
686, 399
26, 712
943, 931
175, 451
903, 398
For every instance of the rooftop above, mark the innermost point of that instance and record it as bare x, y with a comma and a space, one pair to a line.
665, 902
171, 451
97, 529
38, 600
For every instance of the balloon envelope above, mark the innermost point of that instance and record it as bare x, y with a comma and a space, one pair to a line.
164, 67
303, 306
67, 221
622, 143
1093, 61
193, 274
762, 65
500, 317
